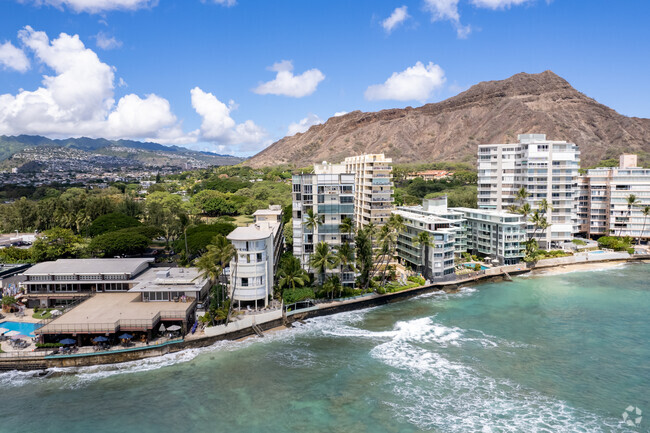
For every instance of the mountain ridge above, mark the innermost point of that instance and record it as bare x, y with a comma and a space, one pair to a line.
450, 130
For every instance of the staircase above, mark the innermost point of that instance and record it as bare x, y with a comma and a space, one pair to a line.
257, 330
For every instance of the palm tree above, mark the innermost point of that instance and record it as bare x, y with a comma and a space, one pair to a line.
525, 210
291, 274
424, 240
346, 226
645, 212
345, 256
631, 200
544, 206
312, 222
322, 259
522, 194
333, 284
513, 208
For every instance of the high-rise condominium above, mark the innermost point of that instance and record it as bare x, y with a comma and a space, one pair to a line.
373, 191
548, 170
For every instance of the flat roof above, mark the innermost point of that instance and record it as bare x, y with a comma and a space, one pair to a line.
255, 231
173, 280
100, 313
87, 266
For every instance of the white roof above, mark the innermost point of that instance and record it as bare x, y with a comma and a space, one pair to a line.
170, 279
256, 231
87, 266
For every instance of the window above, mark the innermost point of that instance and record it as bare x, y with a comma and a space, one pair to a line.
244, 282
259, 257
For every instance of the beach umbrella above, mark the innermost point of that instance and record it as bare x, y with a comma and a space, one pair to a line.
174, 328
126, 337
100, 339
67, 341
18, 337
162, 327
56, 313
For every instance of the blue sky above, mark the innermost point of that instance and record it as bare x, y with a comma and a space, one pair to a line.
202, 74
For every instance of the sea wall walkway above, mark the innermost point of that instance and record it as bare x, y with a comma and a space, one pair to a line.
253, 324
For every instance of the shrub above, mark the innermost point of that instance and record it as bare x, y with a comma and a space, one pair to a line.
417, 279
615, 243
48, 345
291, 296
579, 242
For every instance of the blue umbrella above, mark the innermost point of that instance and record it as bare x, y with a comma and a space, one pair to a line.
67, 341
100, 339
126, 337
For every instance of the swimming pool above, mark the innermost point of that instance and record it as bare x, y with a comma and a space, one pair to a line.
24, 328
596, 252
471, 266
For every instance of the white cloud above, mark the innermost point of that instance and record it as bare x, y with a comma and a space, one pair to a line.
78, 99
288, 84
96, 6
218, 127
107, 43
417, 82
12, 57
304, 124
497, 4
340, 113
447, 10
398, 16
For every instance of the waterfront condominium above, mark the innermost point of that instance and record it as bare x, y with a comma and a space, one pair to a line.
604, 208
321, 200
446, 229
373, 188
498, 235
258, 249
548, 170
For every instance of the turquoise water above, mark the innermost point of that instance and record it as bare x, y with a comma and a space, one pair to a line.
559, 353
22, 327
471, 265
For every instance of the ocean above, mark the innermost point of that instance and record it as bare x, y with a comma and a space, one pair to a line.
556, 353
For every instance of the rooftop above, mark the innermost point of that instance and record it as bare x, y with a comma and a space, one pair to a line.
105, 311
88, 266
255, 231
169, 279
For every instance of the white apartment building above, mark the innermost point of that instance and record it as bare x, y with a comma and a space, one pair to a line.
329, 194
603, 206
496, 234
547, 169
253, 268
373, 188
438, 263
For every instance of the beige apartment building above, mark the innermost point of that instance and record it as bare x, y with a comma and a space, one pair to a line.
373, 188
603, 208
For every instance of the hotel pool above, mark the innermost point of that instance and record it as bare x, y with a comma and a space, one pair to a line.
471, 266
22, 327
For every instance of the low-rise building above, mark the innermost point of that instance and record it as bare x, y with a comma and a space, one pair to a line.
429, 175
62, 281
253, 267
435, 261
496, 234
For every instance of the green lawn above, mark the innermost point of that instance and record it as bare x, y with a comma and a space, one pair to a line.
43, 314
243, 220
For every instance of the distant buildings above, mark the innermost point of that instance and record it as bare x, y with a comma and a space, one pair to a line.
548, 170
320, 202
253, 268
373, 188
603, 207
429, 175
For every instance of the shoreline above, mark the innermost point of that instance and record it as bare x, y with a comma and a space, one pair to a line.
43, 363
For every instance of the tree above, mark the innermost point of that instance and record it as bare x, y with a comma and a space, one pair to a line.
645, 212
363, 243
631, 200
312, 221
322, 259
521, 195
202, 235
120, 242
212, 263
424, 241
346, 226
332, 285
111, 222
287, 231
291, 274
55, 244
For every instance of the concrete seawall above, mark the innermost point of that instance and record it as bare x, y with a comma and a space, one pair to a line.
243, 327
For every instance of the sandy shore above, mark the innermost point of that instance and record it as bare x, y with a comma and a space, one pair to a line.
577, 267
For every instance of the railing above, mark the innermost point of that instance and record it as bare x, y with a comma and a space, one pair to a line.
67, 308
26, 354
